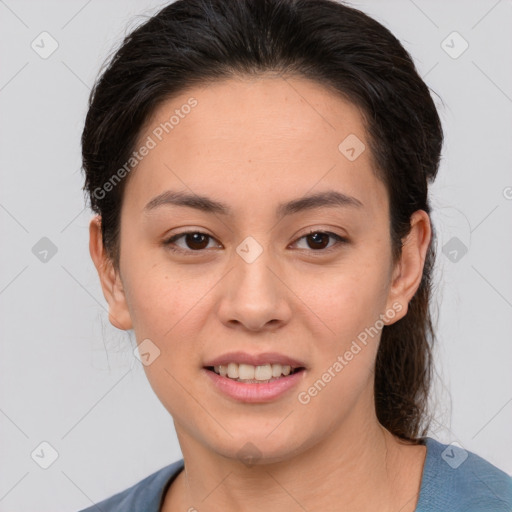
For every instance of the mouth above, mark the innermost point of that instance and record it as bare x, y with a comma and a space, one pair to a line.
254, 384
254, 378
251, 374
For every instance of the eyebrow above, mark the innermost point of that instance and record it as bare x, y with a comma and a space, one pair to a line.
329, 198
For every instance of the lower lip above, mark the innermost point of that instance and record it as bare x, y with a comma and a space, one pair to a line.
252, 392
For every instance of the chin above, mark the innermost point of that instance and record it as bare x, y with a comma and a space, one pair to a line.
257, 446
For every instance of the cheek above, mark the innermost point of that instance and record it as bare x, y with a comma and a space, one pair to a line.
347, 299
161, 301
170, 311
349, 303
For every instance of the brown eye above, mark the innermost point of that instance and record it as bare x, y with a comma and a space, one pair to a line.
193, 241
319, 240
196, 241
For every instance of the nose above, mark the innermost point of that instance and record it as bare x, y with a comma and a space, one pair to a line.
254, 296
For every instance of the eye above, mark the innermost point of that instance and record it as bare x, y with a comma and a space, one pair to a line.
319, 240
194, 241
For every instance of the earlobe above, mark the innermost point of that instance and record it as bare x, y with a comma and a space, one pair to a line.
110, 280
409, 269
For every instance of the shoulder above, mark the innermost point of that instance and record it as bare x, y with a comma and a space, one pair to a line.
459, 480
144, 496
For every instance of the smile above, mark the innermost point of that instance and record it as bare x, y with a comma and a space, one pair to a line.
261, 388
254, 374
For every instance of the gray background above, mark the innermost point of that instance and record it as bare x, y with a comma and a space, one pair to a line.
70, 379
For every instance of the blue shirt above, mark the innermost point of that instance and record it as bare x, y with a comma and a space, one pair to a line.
453, 480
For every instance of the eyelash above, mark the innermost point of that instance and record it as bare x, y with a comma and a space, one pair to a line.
170, 241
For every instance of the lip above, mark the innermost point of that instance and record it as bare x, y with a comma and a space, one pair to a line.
255, 359
253, 392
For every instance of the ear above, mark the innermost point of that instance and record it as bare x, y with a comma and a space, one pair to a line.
408, 270
111, 284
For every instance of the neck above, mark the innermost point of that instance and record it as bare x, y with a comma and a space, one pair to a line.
358, 467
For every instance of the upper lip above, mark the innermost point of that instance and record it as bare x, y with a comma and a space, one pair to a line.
255, 359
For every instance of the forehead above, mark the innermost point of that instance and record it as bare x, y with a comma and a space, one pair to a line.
267, 137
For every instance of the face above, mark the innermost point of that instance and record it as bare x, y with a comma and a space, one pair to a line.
287, 260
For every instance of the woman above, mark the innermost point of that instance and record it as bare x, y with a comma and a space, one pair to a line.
259, 170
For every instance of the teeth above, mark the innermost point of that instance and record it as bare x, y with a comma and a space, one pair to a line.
263, 372
250, 372
276, 370
233, 371
245, 371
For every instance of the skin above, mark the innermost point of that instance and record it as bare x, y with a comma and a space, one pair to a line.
252, 144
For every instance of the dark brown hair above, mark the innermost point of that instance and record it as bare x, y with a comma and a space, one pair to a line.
195, 42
